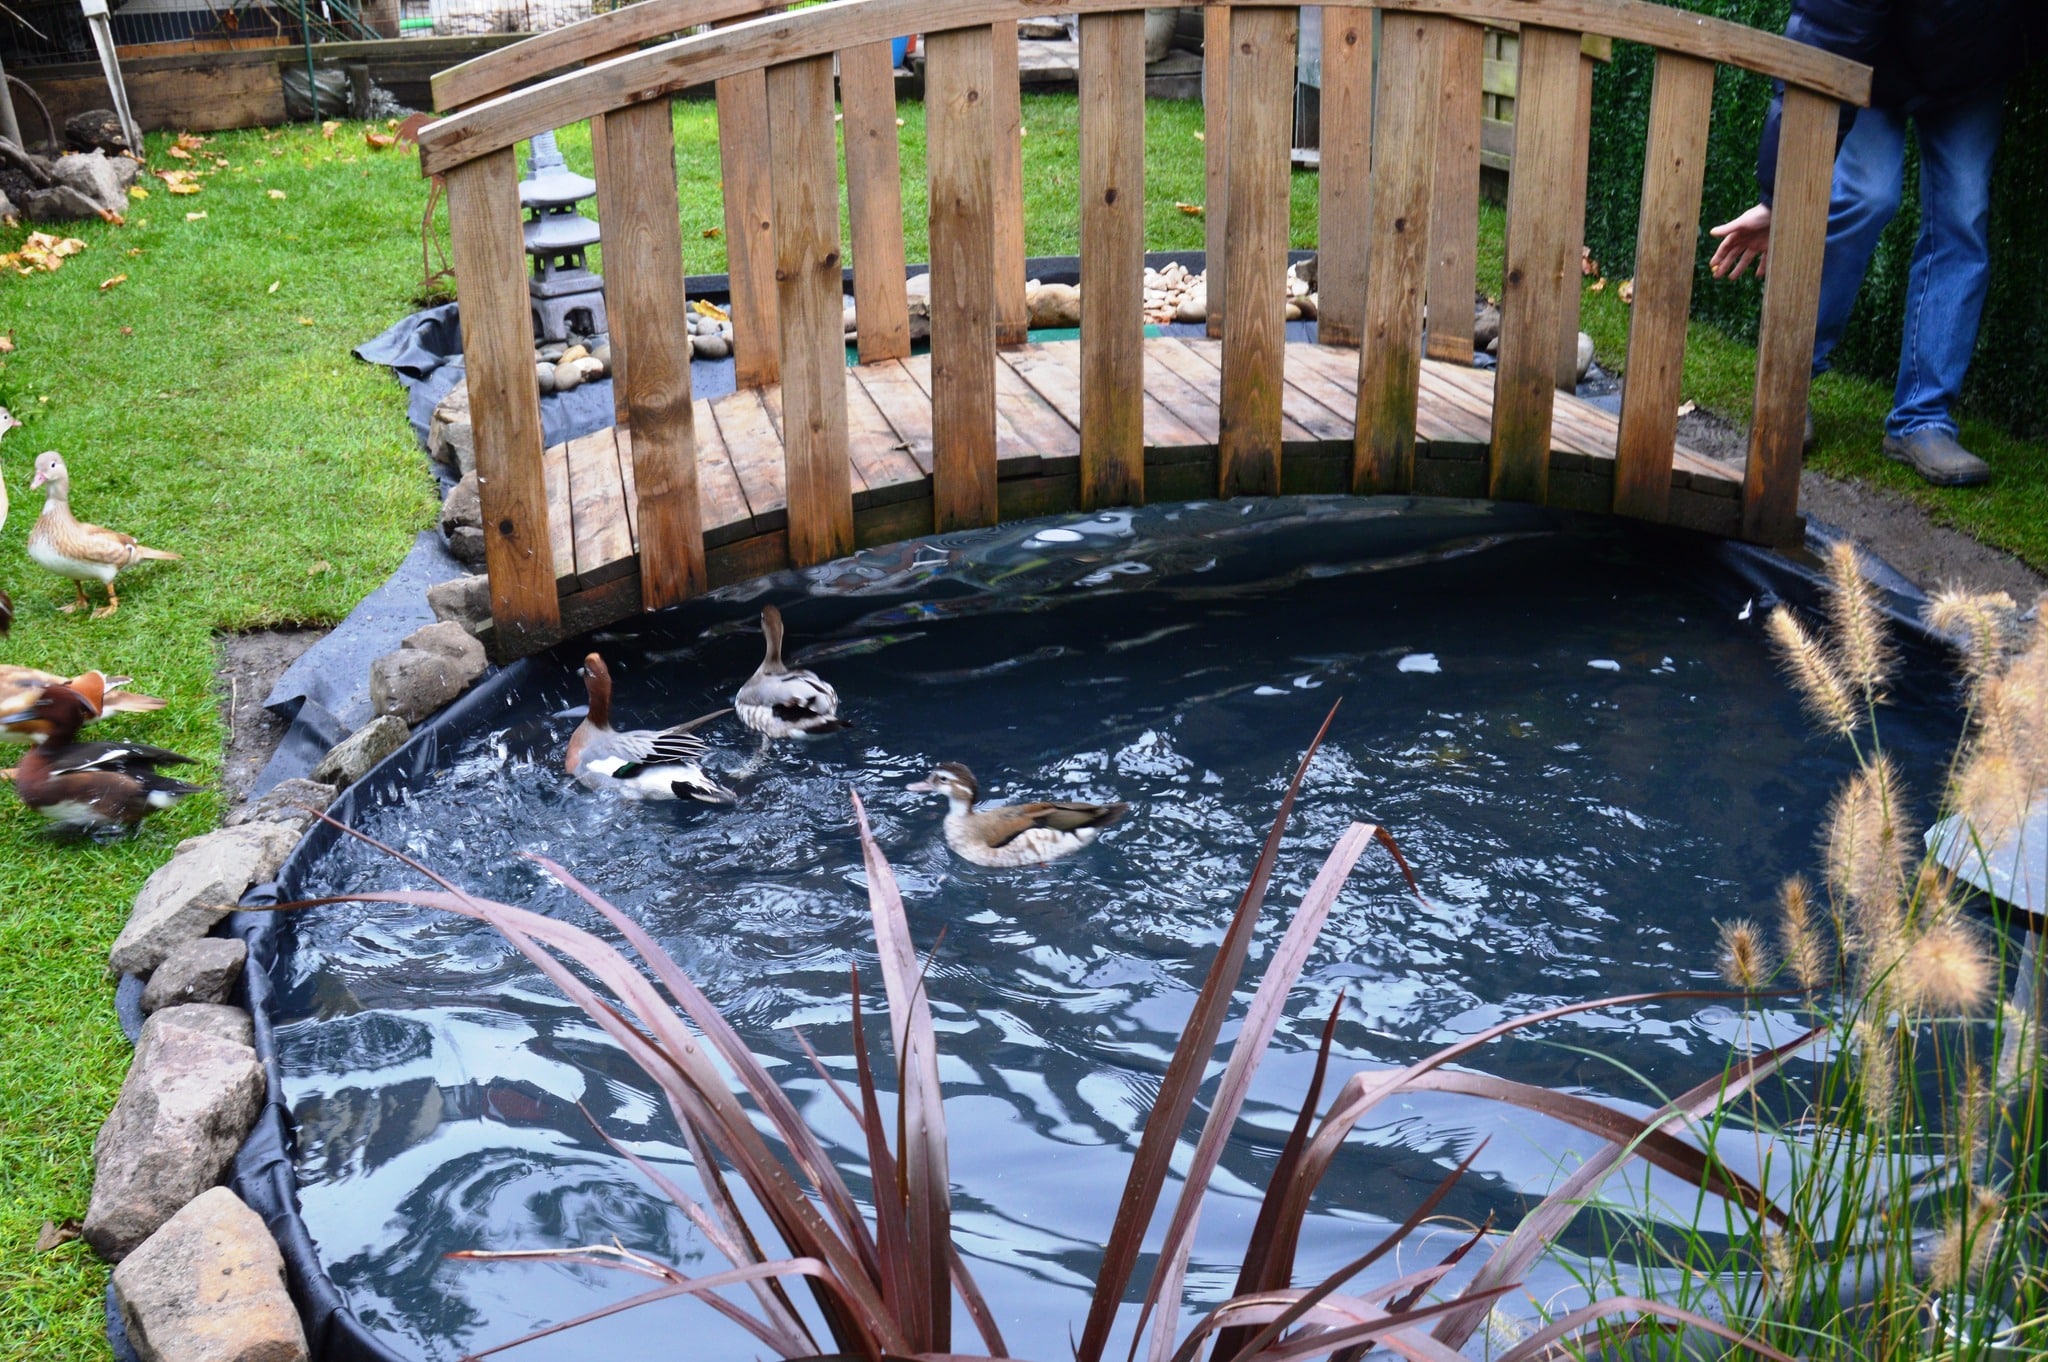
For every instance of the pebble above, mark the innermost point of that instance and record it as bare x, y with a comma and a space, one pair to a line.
712, 346
545, 372
568, 378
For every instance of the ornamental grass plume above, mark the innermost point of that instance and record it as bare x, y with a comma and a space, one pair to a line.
1806, 954
2017, 1040
1982, 621
1867, 843
1967, 1242
2006, 768
1863, 652
1745, 958
1814, 674
1945, 969
1877, 1072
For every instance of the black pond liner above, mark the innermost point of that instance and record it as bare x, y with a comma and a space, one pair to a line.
262, 1174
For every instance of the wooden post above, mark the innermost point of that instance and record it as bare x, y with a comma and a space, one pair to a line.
1667, 235
1575, 219
874, 195
960, 138
1216, 155
807, 305
1255, 315
1784, 347
1390, 356
1342, 195
504, 396
644, 257
1112, 259
1454, 196
1006, 185
743, 155
1541, 262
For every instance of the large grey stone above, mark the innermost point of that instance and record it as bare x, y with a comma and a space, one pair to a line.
1054, 305
28, 163
59, 203
463, 522
289, 803
223, 1023
351, 758
186, 1105
209, 1286
1585, 356
431, 667
95, 128
201, 884
463, 600
202, 971
449, 436
91, 174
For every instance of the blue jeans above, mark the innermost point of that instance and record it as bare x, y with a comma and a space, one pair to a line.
1951, 260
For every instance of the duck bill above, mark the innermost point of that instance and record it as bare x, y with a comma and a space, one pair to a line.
37, 481
922, 787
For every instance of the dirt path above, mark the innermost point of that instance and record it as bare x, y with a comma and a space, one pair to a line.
249, 665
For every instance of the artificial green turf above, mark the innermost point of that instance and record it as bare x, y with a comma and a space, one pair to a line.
207, 414
230, 424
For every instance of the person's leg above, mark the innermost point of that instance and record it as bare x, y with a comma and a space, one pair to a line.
1869, 174
1951, 268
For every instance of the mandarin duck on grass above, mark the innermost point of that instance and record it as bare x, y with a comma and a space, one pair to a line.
89, 786
22, 687
640, 763
781, 701
1012, 834
71, 548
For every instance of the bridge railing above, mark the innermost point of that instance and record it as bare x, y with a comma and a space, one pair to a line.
1389, 167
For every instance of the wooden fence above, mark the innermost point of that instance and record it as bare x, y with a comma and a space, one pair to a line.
1397, 182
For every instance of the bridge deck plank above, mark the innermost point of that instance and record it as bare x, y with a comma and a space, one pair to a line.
741, 461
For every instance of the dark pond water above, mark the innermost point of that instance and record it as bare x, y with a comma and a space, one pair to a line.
1580, 742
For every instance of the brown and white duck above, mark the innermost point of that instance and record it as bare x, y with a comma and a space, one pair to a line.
640, 763
1012, 834
781, 701
90, 786
71, 548
21, 687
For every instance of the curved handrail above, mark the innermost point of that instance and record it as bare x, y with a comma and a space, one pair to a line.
599, 36
777, 38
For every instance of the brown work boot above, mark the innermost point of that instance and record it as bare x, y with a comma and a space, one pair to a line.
1937, 457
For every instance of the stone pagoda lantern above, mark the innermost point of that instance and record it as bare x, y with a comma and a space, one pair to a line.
566, 295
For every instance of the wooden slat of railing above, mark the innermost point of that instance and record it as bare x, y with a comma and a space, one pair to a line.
1390, 357
1540, 262
743, 156
809, 312
1575, 221
874, 195
1006, 185
1674, 168
1112, 259
586, 42
1255, 313
644, 253
960, 137
497, 334
1454, 196
1342, 195
1784, 346
1215, 158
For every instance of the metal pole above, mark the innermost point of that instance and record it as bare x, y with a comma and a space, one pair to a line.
103, 38
9, 128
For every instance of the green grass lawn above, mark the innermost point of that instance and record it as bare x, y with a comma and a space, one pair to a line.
208, 404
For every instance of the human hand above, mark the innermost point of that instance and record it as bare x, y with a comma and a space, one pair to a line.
1746, 239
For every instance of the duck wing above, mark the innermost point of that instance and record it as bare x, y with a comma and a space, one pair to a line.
793, 696
661, 747
106, 756
1010, 821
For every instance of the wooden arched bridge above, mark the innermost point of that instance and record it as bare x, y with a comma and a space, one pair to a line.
811, 458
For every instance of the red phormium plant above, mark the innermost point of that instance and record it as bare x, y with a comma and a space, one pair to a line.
888, 1287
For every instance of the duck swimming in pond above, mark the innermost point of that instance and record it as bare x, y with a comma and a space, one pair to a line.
1012, 834
642, 763
781, 701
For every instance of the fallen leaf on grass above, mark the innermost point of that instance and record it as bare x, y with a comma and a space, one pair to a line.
191, 141
713, 233
136, 191
41, 252
134, 251
275, 285
1627, 291
391, 123
379, 141
127, 330
194, 217
276, 193
305, 321
1200, 138
1686, 409
320, 566
178, 153
1193, 210
106, 284
1596, 286
330, 127
6, 342
55, 1234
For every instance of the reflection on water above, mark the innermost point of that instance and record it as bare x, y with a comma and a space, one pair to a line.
1601, 764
